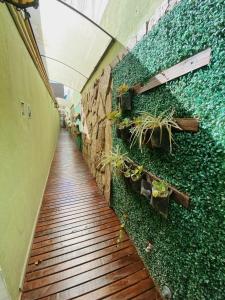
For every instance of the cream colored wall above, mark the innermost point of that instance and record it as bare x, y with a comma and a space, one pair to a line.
26, 150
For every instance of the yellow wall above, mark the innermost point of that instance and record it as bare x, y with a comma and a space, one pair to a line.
26, 149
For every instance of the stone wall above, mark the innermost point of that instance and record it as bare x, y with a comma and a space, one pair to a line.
97, 136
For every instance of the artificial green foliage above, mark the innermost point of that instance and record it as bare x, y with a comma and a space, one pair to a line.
189, 247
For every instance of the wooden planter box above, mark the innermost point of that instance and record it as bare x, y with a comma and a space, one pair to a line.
124, 133
134, 185
125, 101
186, 125
154, 141
161, 204
146, 189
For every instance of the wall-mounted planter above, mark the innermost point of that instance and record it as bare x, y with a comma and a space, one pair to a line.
124, 133
158, 138
134, 185
125, 101
134, 180
146, 189
161, 204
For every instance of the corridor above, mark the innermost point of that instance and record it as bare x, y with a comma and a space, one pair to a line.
75, 254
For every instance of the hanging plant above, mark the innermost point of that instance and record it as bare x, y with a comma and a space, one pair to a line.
155, 131
122, 166
124, 97
160, 196
133, 176
123, 129
114, 116
116, 160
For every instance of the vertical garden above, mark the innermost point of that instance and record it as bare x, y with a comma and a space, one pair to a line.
188, 247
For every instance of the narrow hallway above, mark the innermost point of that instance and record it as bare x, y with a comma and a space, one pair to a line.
74, 252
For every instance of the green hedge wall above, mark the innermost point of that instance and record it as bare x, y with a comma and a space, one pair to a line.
189, 247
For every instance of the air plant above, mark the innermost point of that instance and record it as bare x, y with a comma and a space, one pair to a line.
123, 129
160, 196
114, 116
125, 123
116, 160
122, 89
134, 173
160, 188
145, 125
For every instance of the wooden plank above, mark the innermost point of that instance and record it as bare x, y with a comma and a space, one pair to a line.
74, 234
150, 294
73, 220
57, 214
117, 286
188, 124
87, 266
73, 225
78, 206
69, 202
72, 255
134, 290
79, 279
72, 229
76, 262
94, 284
75, 240
73, 247
71, 216
192, 63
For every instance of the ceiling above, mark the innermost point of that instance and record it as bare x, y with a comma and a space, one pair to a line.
70, 44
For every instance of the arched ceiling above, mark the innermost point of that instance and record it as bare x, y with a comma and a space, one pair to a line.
70, 45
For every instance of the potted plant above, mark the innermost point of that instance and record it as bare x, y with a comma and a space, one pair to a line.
160, 196
155, 131
124, 97
146, 188
114, 116
123, 129
116, 160
133, 176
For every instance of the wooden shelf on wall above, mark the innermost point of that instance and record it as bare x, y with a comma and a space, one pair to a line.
179, 197
188, 65
187, 124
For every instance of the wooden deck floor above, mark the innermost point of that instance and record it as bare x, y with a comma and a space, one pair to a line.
74, 253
